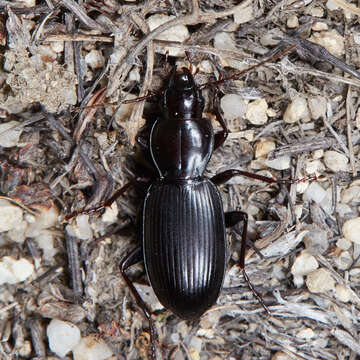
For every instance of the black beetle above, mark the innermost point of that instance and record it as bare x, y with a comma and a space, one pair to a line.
183, 222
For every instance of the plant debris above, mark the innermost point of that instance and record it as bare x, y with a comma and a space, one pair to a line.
69, 129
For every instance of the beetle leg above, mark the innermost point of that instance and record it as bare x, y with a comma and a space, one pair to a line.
105, 204
225, 176
133, 258
221, 136
231, 219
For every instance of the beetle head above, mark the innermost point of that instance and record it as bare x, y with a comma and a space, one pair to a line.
182, 99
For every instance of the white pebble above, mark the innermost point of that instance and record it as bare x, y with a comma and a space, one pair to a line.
92, 348
233, 106
280, 163
242, 16
336, 161
318, 154
344, 260
57, 46
224, 41
351, 195
292, 22
343, 244
317, 12
279, 355
257, 112
317, 107
13, 271
9, 136
80, 228
306, 333
63, 336
263, 147
314, 192
316, 240
94, 59
44, 219
314, 167
271, 37
331, 40
296, 110
332, 5
319, 26
304, 264
11, 216
178, 33
351, 230
343, 293
320, 281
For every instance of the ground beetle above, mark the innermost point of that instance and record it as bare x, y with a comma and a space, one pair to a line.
183, 222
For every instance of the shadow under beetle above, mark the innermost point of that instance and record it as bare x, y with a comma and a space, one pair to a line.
183, 223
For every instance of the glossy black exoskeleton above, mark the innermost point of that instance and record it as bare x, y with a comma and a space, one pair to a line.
183, 222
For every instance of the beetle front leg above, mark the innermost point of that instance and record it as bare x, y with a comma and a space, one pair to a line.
133, 258
231, 219
221, 136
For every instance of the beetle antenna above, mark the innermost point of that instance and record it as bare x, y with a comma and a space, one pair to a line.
238, 74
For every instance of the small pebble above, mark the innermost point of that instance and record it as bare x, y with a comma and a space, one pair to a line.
269, 39
343, 244
263, 147
279, 355
92, 348
320, 281
344, 260
178, 33
224, 41
319, 26
318, 107
332, 5
13, 271
94, 59
351, 230
304, 264
316, 240
256, 112
10, 133
233, 106
11, 216
279, 163
296, 110
306, 333
351, 195
80, 228
63, 336
336, 161
343, 293
314, 167
331, 40
318, 154
317, 12
242, 16
292, 22
314, 192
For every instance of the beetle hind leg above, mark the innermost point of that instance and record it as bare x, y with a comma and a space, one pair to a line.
231, 219
134, 257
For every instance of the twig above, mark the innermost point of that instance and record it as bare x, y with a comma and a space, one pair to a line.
81, 14
191, 19
348, 131
78, 37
